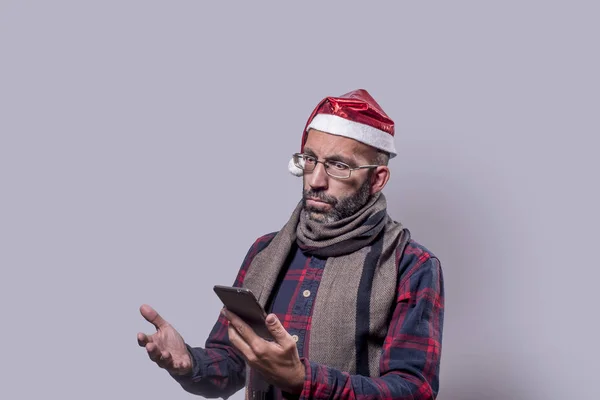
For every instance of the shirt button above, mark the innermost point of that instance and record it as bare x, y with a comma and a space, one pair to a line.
295, 337
306, 293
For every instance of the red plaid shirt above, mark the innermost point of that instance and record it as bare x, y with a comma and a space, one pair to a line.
409, 366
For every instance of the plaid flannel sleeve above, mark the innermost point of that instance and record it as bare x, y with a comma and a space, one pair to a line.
219, 369
411, 352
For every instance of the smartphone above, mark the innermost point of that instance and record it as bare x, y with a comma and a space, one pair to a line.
243, 303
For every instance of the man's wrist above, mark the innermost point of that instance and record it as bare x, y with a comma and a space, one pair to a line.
298, 383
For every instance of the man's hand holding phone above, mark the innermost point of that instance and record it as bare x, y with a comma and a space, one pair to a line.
262, 339
277, 361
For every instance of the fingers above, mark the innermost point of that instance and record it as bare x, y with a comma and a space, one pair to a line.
242, 328
166, 361
243, 337
162, 358
239, 343
152, 316
179, 365
153, 352
143, 339
277, 330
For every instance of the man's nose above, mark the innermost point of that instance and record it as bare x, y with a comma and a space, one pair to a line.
318, 178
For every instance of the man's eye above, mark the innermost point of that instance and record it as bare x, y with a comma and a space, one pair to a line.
338, 165
310, 160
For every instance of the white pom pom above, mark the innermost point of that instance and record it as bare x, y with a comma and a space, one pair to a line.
294, 170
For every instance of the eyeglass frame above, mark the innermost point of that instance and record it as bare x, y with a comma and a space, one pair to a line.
317, 161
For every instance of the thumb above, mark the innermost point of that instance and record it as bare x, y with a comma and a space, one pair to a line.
276, 328
152, 316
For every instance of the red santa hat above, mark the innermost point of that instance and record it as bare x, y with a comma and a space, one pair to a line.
355, 115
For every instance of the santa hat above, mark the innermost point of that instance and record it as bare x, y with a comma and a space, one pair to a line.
355, 115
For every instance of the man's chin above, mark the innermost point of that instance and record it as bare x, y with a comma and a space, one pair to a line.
318, 215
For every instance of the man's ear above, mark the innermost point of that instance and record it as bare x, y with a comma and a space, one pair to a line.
379, 178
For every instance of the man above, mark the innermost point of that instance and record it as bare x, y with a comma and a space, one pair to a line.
355, 305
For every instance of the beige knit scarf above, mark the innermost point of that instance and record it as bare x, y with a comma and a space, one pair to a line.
356, 294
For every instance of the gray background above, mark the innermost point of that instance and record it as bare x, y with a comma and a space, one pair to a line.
144, 146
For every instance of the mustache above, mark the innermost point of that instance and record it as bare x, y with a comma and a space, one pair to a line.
317, 194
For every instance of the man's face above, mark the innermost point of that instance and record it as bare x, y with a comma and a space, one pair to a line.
329, 199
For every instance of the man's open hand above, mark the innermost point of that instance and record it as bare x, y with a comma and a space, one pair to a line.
165, 347
278, 361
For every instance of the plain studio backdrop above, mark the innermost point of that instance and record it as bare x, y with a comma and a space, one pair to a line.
144, 146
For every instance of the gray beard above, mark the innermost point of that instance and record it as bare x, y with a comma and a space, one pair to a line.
341, 209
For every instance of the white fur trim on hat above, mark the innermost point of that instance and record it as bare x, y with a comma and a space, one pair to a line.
354, 130
294, 170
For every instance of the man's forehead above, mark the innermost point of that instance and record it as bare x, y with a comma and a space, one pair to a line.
319, 141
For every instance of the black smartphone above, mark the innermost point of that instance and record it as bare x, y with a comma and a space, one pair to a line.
243, 303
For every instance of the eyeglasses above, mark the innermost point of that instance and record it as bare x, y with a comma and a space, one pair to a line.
336, 169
